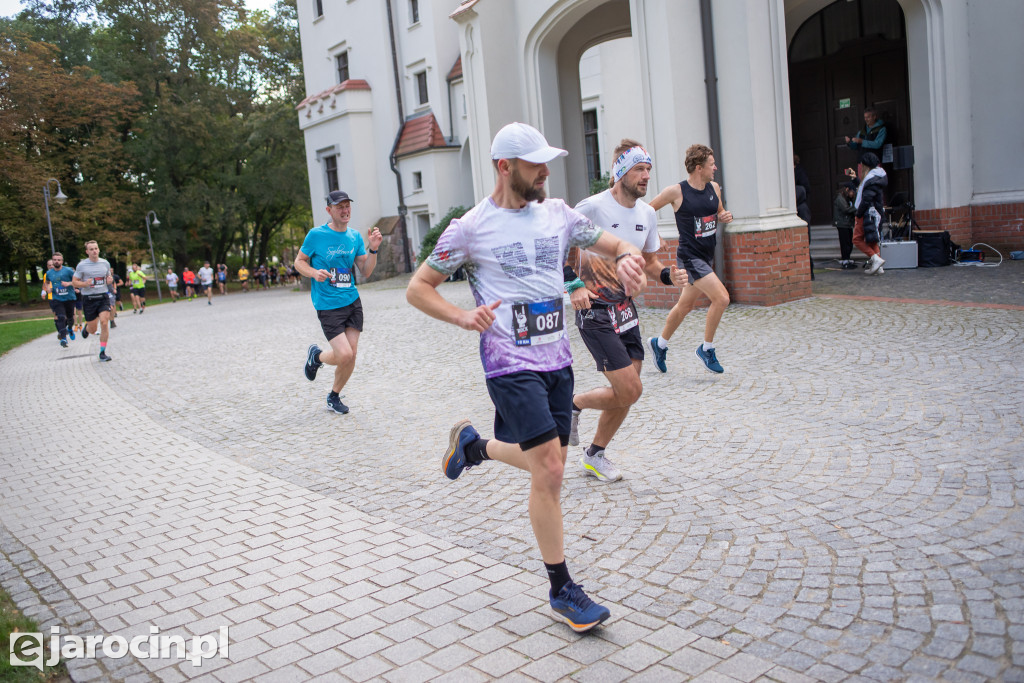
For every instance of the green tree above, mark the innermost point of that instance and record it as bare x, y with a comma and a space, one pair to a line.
67, 125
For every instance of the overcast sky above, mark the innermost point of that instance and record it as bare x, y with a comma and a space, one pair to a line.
11, 7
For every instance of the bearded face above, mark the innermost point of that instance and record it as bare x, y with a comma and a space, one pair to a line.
527, 189
634, 183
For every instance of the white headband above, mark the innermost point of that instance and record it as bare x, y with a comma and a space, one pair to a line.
628, 159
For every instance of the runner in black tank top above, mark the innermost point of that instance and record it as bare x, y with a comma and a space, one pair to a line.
697, 222
699, 214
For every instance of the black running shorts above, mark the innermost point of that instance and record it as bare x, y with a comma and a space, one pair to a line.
94, 304
611, 351
531, 408
695, 268
334, 321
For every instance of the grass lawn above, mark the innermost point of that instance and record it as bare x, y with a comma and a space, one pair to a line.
18, 332
13, 621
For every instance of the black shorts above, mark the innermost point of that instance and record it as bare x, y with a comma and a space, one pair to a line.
94, 304
531, 408
695, 267
139, 292
334, 321
611, 351
78, 300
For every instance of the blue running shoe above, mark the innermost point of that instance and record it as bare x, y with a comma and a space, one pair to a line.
454, 460
709, 360
71, 333
659, 355
312, 365
64, 343
334, 403
574, 607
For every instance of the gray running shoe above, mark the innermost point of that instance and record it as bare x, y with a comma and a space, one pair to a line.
600, 467
574, 428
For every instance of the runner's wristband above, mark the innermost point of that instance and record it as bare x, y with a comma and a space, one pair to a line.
372, 251
573, 285
666, 276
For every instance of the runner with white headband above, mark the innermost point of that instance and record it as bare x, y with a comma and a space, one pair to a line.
605, 314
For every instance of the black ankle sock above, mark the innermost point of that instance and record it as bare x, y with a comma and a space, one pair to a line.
476, 452
558, 574
594, 450
333, 394
316, 357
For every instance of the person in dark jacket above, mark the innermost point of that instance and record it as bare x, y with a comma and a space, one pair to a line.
843, 212
869, 203
871, 137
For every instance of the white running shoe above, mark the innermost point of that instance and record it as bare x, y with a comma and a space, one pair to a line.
600, 467
874, 264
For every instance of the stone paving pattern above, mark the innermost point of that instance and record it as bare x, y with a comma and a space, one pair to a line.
843, 504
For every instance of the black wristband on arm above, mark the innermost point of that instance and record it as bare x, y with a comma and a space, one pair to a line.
666, 276
568, 274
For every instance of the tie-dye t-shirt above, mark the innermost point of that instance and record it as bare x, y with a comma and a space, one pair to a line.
516, 255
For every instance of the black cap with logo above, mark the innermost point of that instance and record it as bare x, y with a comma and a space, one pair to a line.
337, 197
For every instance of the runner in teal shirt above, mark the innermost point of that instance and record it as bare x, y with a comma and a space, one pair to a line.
329, 257
63, 302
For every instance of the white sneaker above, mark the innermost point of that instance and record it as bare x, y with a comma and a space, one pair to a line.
874, 264
600, 467
881, 270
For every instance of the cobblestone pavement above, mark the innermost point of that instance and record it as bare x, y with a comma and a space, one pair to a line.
843, 504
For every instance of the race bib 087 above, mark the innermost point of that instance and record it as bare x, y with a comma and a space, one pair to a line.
537, 322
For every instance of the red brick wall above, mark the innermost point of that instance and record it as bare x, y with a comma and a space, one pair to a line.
761, 268
998, 225
768, 268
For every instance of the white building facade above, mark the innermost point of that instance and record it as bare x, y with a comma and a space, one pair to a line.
950, 76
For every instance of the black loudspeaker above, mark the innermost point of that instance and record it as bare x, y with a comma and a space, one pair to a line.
933, 248
903, 157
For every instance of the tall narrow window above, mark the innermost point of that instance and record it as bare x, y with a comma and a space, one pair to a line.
341, 61
331, 172
414, 11
421, 86
318, 8
590, 144
417, 180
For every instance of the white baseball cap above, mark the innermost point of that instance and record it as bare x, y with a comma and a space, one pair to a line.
522, 141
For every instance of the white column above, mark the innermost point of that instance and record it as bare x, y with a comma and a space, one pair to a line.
753, 94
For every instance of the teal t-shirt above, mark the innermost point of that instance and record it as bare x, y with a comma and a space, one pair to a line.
335, 252
55, 277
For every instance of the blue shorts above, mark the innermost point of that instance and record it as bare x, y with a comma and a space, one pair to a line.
531, 408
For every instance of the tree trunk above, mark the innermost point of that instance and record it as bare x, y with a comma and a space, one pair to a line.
22, 281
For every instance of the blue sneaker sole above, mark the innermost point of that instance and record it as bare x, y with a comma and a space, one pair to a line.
579, 628
447, 466
309, 369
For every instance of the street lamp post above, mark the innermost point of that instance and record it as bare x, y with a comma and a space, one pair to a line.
60, 199
152, 254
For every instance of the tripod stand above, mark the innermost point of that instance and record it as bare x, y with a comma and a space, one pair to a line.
899, 219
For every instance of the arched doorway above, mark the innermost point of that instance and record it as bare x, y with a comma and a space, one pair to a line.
850, 55
553, 51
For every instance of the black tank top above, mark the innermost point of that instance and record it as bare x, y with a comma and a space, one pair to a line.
697, 222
